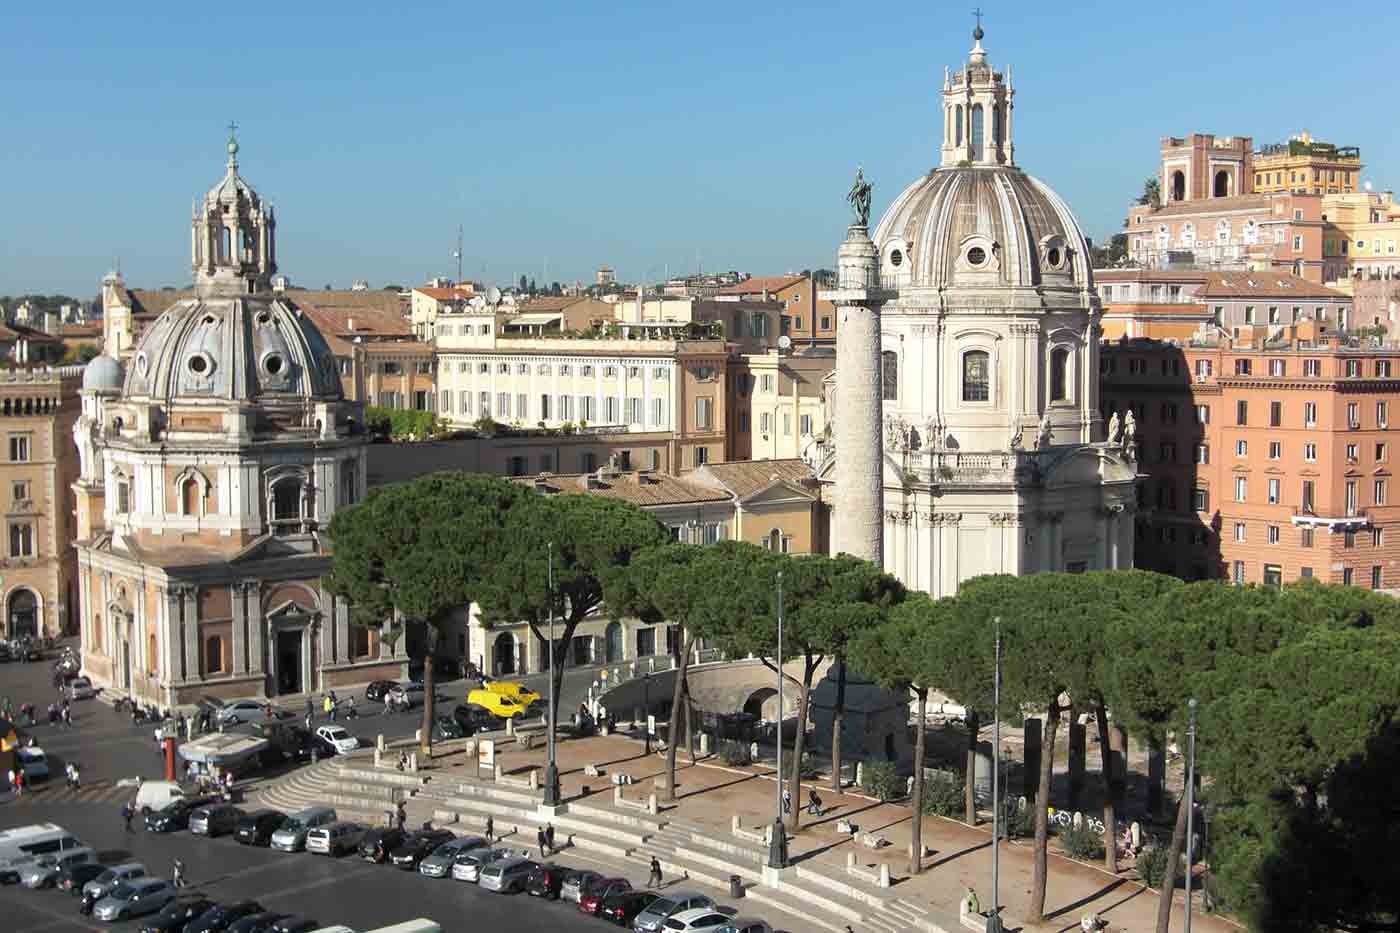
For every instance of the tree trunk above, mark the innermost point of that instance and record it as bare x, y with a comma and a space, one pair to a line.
668, 790
916, 854
838, 714
1164, 901
1042, 815
425, 744
969, 785
1110, 791
795, 783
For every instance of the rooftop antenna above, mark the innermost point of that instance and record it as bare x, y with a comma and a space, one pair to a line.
458, 255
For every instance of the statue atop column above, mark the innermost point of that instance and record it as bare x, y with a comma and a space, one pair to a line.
860, 198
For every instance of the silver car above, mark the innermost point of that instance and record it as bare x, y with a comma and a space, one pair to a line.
134, 899
745, 925
439, 864
507, 875
468, 865
43, 871
100, 886
81, 688
575, 884
653, 919
292, 836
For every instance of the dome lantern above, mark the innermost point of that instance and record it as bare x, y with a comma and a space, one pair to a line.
233, 236
977, 106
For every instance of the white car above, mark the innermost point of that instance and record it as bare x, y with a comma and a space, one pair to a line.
81, 688
236, 711
342, 741
700, 918
34, 763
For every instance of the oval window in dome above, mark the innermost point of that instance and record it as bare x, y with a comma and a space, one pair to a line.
1052, 256
263, 319
209, 319
143, 363
977, 256
896, 258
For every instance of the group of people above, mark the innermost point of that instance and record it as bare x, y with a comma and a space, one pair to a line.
545, 836
330, 707
814, 803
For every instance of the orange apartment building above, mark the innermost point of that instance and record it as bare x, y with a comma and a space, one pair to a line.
1264, 462
806, 318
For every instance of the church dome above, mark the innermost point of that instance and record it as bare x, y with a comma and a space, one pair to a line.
102, 373
981, 226
233, 349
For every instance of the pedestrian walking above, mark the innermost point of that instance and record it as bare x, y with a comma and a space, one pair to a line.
67, 716
328, 707
814, 803
490, 829
127, 812
654, 878
400, 815
549, 836
310, 709
19, 783
539, 837
333, 702
10, 778
787, 801
77, 778
177, 874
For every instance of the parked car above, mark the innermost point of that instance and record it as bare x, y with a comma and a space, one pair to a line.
375, 692
100, 886
293, 924
516, 691
338, 739
335, 839
653, 919
417, 846
546, 881
222, 916
468, 865
175, 815
134, 899
250, 710
256, 828
599, 891
575, 883
173, 916
215, 819
498, 704
701, 918
407, 694
81, 688
376, 844
445, 728
474, 719
623, 908
256, 923
439, 863
71, 878
43, 871
153, 795
745, 925
507, 875
291, 835
34, 762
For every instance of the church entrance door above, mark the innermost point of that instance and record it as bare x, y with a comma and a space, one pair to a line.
289, 661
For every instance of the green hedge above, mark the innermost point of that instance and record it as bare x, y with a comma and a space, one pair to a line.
401, 423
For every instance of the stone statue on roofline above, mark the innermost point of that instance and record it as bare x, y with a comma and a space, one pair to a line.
860, 198
1113, 428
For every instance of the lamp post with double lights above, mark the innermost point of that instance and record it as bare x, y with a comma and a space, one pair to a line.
994, 915
1190, 801
777, 843
551, 769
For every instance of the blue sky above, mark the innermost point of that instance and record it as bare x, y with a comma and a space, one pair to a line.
650, 136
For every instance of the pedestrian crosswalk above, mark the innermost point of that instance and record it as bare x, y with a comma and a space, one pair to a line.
99, 792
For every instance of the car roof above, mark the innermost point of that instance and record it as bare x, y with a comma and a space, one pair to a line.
147, 882
695, 913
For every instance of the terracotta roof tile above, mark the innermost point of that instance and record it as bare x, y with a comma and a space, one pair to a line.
756, 285
1265, 284
639, 488
446, 294
745, 477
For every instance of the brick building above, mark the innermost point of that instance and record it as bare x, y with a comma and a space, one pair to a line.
1264, 461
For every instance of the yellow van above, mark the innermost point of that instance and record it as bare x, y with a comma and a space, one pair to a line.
498, 704
516, 691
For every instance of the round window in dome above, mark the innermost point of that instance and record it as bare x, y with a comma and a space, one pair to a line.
977, 256
274, 364
896, 258
1053, 257
201, 365
210, 320
263, 319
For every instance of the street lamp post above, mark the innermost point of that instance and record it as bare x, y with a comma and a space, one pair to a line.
1190, 801
994, 915
777, 845
551, 770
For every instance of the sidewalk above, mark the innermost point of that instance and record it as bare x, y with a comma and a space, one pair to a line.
710, 794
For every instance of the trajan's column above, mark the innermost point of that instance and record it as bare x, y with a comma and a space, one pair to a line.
858, 501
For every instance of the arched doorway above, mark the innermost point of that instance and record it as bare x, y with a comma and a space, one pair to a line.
1222, 184
612, 637
757, 700
23, 614
503, 654
1178, 186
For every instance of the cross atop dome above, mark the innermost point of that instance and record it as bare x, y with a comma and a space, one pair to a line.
233, 146
978, 54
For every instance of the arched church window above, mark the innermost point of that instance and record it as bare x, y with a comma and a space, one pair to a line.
976, 376
226, 250
286, 506
974, 129
1059, 375
1178, 186
189, 496
997, 128
889, 376
958, 125
1222, 184
213, 655
350, 482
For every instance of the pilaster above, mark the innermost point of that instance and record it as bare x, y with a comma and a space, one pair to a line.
239, 647
252, 607
189, 596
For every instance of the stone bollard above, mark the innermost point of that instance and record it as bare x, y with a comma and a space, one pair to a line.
534, 779
850, 860
651, 725
412, 762
860, 774
734, 824
753, 751
884, 881
651, 805
471, 748
704, 743
510, 726
379, 758
379, 742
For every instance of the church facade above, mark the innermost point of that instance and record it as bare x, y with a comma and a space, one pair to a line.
212, 459
967, 437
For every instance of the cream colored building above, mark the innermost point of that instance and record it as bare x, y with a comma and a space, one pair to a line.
779, 405
1361, 236
425, 304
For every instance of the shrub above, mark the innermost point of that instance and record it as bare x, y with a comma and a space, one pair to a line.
1152, 865
1020, 824
1082, 843
881, 779
734, 753
943, 794
401, 423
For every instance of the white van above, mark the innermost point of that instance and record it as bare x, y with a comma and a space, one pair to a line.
24, 844
154, 795
421, 925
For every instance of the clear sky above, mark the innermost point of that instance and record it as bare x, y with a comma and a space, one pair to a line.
650, 136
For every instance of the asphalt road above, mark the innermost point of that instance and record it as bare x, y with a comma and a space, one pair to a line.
344, 890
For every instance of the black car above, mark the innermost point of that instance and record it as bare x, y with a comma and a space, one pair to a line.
445, 728
175, 815
222, 916
293, 924
376, 844
71, 878
623, 908
474, 719
257, 923
173, 917
256, 828
545, 882
417, 846
374, 693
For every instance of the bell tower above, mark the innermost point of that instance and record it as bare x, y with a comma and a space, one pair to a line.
977, 106
233, 236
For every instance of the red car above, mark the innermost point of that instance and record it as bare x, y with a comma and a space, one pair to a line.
601, 890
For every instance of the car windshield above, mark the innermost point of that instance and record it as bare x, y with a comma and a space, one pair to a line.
337, 735
123, 891
665, 907
292, 823
447, 848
